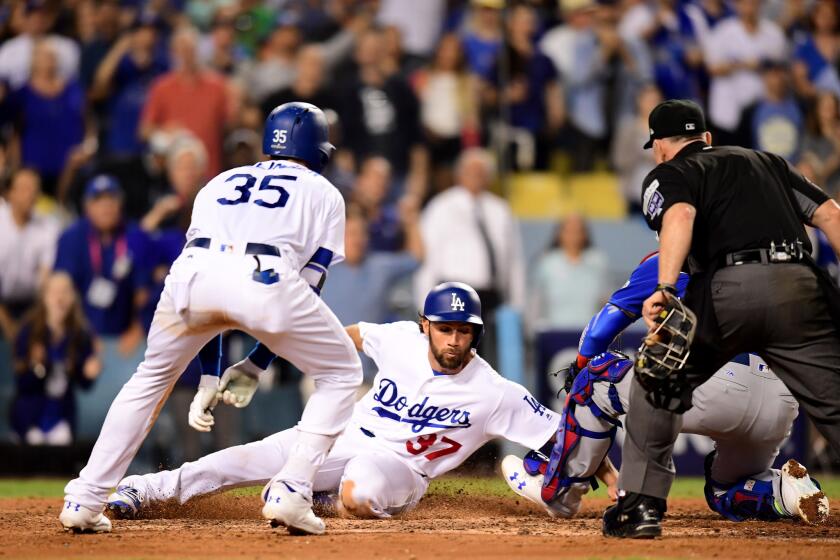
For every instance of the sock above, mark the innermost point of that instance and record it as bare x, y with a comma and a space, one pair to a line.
306, 456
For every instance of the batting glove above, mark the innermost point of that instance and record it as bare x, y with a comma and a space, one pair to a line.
239, 383
201, 408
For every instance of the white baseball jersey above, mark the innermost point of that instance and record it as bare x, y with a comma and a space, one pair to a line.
279, 203
435, 421
212, 288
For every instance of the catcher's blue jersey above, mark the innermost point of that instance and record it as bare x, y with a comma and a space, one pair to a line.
643, 281
624, 307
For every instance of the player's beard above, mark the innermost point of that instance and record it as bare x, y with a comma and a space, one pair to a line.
449, 358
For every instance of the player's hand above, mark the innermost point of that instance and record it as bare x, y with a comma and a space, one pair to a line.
201, 408
608, 474
239, 383
652, 306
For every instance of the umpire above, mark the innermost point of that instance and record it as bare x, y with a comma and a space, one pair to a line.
733, 218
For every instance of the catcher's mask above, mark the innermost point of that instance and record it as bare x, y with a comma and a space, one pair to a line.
663, 355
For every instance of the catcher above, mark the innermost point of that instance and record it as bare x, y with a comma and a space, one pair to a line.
743, 407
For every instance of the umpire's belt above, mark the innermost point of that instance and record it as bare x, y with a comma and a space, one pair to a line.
785, 253
250, 248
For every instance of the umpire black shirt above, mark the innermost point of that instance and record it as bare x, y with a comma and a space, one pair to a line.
744, 199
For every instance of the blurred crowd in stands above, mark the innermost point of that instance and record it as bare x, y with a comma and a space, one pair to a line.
114, 113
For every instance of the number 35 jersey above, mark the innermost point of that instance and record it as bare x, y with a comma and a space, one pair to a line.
435, 421
279, 203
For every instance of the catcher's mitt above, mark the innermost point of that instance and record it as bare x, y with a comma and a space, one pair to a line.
663, 354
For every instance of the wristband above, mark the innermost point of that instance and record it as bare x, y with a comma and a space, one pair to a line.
664, 287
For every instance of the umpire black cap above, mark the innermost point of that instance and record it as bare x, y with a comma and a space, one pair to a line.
675, 117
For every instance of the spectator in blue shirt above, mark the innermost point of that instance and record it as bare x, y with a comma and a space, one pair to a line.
49, 111
108, 260
98, 27
816, 54
122, 83
482, 35
776, 122
53, 355
370, 193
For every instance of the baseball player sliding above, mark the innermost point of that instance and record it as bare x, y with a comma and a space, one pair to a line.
434, 401
744, 408
261, 239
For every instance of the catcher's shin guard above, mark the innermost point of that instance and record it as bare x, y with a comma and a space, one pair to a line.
611, 368
746, 499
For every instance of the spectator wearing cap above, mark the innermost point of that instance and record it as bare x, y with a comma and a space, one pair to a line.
108, 260
54, 354
122, 84
482, 35
734, 54
776, 123
16, 54
192, 98
27, 248
49, 117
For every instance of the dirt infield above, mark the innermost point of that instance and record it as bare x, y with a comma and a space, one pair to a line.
229, 526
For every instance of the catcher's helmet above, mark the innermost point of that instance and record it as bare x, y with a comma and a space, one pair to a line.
455, 302
298, 130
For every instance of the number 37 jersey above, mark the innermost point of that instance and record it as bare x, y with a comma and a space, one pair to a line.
279, 203
435, 421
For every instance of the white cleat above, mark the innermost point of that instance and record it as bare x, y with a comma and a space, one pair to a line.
79, 519
800, 496
126, 501
292, 509
526, 485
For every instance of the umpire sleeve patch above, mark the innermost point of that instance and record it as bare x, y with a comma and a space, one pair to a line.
652, 201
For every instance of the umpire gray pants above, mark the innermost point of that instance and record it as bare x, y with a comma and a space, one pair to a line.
777, 311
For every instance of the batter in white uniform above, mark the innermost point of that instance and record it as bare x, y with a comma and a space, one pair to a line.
260, 241
433, 403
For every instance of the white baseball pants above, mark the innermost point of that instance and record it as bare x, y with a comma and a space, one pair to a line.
373, 476
208, 292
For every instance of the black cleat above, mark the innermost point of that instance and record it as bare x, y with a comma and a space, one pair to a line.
635, 516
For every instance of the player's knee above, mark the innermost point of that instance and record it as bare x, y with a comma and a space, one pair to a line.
356, 500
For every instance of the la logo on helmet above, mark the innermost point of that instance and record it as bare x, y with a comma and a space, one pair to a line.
456, 304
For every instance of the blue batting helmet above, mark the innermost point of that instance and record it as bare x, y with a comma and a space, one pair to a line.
455, 302
298, 130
